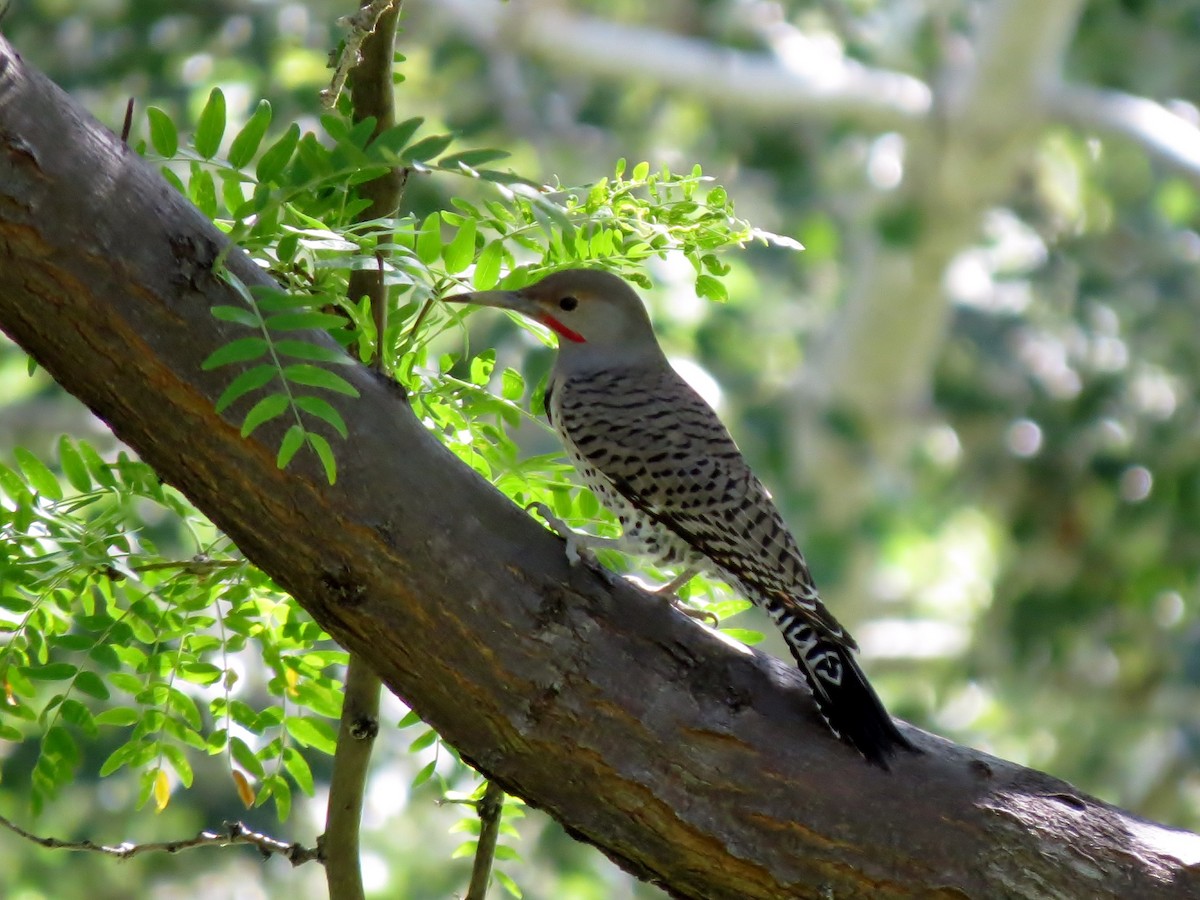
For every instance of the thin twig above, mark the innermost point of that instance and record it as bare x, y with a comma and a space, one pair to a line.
372, 97
347, 785
490, 806
231, 833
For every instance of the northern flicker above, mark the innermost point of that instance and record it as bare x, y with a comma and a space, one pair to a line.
656, 454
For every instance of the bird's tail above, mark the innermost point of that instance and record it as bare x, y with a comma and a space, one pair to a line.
845, 698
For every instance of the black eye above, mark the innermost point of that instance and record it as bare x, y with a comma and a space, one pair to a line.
568, 303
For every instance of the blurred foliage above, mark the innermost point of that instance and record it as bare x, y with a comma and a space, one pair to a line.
1032, 571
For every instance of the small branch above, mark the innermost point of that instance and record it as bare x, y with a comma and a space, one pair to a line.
200, 564
231, 833
1162, 134
351, 759
362, 24
372, 93
490, 806
372, 97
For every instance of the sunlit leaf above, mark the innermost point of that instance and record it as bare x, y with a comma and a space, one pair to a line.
247, 141
163, 135
211, 126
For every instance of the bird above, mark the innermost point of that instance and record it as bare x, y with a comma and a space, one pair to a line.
659, 458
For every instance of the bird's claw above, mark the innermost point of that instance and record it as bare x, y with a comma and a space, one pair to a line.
577, 550
667, 593
702, 615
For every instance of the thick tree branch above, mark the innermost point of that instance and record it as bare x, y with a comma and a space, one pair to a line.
691, 762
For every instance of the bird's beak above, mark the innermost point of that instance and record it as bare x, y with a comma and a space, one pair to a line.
517, 302
513, 300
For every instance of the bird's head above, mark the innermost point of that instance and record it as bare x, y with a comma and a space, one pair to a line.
588, 309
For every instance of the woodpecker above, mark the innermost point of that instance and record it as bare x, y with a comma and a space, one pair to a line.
656, 455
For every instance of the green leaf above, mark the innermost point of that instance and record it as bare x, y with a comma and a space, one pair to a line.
324, 453
116, 759
237, 314
163, 136
201, 672
312, 732
410, 719
508, 884
512, 385
250, 380
119, 716
472, 158
271, 164
315, 376
394, 138
75, 713
426, 148
211, 127
179, 763
322, 409
98, 468
299, 769
487, 269
233, 194
461, 250
314, 352
264, 411
40, 478
90, 684
745, 635
481, 367
58, 742
13, 485
711, 289
425, 774
245, 145
202, 190
245, 757
281, 793
73, 465
292, 441
429, 239
241, 350
424, 740
293, 321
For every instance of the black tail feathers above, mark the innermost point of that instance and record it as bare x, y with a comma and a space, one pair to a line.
845, 698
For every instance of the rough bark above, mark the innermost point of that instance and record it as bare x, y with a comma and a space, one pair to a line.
691, 762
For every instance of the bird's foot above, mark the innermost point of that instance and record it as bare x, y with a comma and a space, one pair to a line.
580, 547
668, 593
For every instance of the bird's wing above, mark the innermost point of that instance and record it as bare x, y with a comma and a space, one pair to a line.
666, 452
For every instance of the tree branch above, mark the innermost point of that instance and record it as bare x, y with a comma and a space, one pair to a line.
231, 833
692, 762
357, 731
490, 808
1165, 136
824, 82
371, 94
